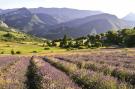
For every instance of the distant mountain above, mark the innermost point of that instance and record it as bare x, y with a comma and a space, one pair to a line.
7, 10
84, 26
0, 10
17, 19
64, 14
54, 23
28, 22
39, 20
130, 17
47, 19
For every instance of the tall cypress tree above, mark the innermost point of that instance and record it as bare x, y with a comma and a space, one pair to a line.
63, 43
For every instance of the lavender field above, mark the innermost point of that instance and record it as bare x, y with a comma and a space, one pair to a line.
79, 70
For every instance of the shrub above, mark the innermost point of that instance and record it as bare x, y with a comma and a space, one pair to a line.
92, 66
18, 52
107, 71
132, 79
125, 86
98, 44
12, 52
2, 52
34, 52
106, 82
8, 35
120, 74
47, 48
81, 64
93, 80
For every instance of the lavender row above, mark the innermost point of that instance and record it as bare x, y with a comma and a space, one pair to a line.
114, 59
88, 79
5, 60
50, 77
15, 76
120, 73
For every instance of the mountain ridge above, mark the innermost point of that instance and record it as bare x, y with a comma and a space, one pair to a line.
130, 17
64, 14
81, 27
44, 25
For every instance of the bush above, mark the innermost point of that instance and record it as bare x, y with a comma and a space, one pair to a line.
12, 52
8, 35
18, 52
98, 44
125, 86
130, 41
2, 52
107, 71
106, 83
34, 52
120, 74
92, 66
47, 48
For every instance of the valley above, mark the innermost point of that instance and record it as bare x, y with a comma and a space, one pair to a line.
66, 48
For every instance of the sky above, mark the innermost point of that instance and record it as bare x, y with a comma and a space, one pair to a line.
117, 7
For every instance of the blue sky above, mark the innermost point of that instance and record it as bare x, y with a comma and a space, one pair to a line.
117, 7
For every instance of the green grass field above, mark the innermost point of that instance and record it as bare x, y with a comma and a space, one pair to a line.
26, 48
30, 48
12, 40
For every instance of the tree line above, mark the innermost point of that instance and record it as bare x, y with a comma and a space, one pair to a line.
120, 38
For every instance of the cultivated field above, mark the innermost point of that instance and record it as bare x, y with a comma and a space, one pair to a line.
99, 69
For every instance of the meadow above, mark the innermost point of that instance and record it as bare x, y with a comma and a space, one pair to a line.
26, 48
77, 69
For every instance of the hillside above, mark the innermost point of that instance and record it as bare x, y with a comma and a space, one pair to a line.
13, 35
25, 21
64, 14
84, 26
11, 40
39, 23
130, 17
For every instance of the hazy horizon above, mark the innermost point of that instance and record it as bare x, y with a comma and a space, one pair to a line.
119, 8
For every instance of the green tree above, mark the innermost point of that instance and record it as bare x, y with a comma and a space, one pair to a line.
77, 44
54, 43
70, 44
130, 41
98, 38
127, 37
112, 37
49, 43
64, 42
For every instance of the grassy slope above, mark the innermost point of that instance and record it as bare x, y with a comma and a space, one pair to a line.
22, 42
17, 37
